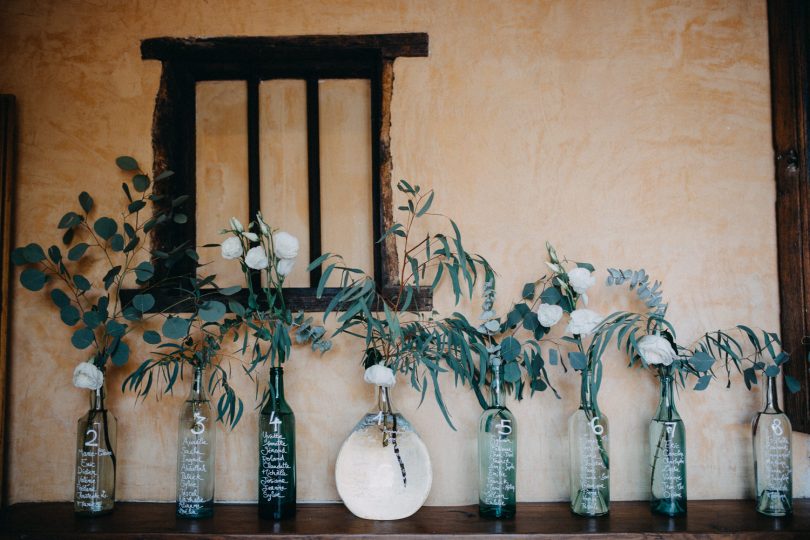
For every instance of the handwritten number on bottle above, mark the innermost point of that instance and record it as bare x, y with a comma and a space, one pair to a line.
93, 441
776, 426
198, 428
275, 421
505, 427
598, 429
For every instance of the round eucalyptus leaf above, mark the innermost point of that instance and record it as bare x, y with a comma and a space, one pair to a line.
117, 242
511, 372
105, 227
126, 163
143, 302
81, 282
33, 279
212, 311
116, 329
55, 254
60, 298
131, 314
33, 253
69, 220
180, 218
92, 319
144, 271
70, 315
175, 327
82, 338
510, 349
17, 256
140, 182
77, 251
86, 201
151, 337
120, 355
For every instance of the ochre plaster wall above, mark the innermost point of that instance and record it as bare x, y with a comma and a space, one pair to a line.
630, 133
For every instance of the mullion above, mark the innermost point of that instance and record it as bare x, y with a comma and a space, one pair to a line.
314, 177
254, 162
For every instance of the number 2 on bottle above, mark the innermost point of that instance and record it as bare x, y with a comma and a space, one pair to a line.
93, 438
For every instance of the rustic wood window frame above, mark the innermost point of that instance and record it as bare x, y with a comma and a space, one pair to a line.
789, 37
187, 61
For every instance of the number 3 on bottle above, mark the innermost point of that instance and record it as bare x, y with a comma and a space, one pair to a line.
598, 429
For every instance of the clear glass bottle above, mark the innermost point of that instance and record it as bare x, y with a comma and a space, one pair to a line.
497, 452
773, 471
277, 484
383, 469
95, 459
589, 451
668, 455
196, 453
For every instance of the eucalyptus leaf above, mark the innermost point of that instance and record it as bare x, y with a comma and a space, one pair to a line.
69, 315
127, 163
510, 349
143, 302
60, 299
212, 311
77, 251
151, 337
33, 279
82, 338
86, 202
175, 327
140, 182
105, 227
81, 282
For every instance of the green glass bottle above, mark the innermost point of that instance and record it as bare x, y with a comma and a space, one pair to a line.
590, 462
497, 453
668, 455
94, 493
276, 453
773, 470
196, 453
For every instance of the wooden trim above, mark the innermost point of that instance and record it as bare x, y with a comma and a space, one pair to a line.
254, 162
261, 48
628, 520
389, 260
7, 170
314, 176
788, 23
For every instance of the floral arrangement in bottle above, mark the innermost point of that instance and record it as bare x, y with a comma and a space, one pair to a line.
400, 338
101, 321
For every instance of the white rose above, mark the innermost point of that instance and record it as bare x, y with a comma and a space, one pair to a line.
251, 236
285, 266
580, 280
656, 350
286, 245
583, 322
236, 226
549, 314
231, 248
87, 375
380, 375
265, 230
256, 258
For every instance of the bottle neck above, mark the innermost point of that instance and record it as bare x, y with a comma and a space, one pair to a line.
771, 396
496, 387
666, 404
384, 400
97, 399
587, 391
277, 383
197, 388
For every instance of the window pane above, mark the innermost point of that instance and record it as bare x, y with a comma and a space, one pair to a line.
345, 142
284, 173
222, 175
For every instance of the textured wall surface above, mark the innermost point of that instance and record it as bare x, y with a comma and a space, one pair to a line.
629, 133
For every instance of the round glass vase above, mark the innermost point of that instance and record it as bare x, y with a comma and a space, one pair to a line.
667, 455
196, 452
589, 452
773, 470
94, 493
383, 469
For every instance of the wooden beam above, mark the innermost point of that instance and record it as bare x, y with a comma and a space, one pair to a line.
7, 170
261, 48
788, 22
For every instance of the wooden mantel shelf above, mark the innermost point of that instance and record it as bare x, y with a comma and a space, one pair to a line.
627, 520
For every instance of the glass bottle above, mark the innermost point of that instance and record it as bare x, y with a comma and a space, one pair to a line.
95, 459
196, 453
383, 469
589, 451
497, 452
668, 455
276, 453
773, 472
